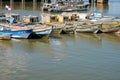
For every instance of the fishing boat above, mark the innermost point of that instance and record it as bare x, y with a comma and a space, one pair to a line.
54, 7
82, 7
56, 27
113, 29
61, 9
40, 30
88, 28
15, 32
57, 30
68, 28
21, 33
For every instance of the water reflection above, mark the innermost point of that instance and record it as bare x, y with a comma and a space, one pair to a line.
50, 47
30, 45
12, 62
102, 7
5, 46
90, 38
111, 37
78, 55
117, 34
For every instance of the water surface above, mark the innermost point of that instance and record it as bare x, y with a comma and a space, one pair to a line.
61, 57
68, 57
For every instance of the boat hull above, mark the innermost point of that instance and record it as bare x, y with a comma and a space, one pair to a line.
88, 29
42, 32
111, 30
21, 33
57, 31
17, 33
25, 36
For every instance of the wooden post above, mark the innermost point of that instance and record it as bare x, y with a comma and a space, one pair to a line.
34, 4
102, 7
102, 1
11, 3
0, 4
45, 1
92, 3
23, 4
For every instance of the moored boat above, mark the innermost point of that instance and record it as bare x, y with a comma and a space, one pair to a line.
54, 7
40, 30
68, 28
82, 7
88, 28
21, 33
15, 32
56, 30
111, 29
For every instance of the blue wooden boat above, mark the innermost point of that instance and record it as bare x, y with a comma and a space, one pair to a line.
40, 31
21, 33
16, 33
